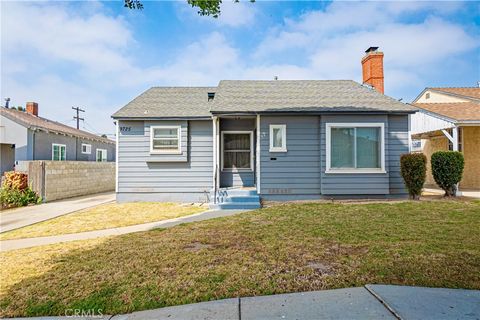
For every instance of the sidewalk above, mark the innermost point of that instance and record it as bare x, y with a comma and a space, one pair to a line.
464, 193
7, 245
369, 302
21, 217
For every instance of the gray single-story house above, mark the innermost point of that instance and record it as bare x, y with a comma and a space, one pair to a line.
244, 140
25, 136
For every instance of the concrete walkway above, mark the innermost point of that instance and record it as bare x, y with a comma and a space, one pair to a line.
8, 245
369, 302
464, 193
21, 217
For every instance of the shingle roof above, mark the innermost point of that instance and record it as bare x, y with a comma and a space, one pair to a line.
301, 96
469, 92
169, 102
34, 122
260, 96
458, 111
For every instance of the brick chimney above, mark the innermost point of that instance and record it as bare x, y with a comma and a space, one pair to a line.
372, 67
32, 108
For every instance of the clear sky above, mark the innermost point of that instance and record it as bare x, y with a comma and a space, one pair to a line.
99, 55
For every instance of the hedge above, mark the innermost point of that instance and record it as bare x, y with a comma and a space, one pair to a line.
447, 170
413, 167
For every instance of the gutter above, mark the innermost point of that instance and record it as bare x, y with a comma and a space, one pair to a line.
301, 112
162, 118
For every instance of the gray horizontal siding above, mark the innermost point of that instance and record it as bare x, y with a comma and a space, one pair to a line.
144, 176
297, 171
353, 184
398, 145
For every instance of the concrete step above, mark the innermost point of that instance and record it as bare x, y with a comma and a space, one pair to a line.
235, 192
235, 205
241, 199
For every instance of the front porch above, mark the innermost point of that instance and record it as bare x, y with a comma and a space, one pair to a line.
235, 149
236, 146
464, 139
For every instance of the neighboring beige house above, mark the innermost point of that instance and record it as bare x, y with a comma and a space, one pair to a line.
449, 119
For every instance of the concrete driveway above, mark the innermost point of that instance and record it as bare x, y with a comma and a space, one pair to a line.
20, 217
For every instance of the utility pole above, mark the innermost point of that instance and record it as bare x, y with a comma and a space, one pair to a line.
78, 116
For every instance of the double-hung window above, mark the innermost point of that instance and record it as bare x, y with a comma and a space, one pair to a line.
237, 150
59, 152
101, 155
278, 138
355, 148
165, 139
86, 148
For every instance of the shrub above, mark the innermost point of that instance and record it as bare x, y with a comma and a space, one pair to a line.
447, 170
15, 180
414, 171
15, 191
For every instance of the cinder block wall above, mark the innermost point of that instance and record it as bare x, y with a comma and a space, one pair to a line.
65, 179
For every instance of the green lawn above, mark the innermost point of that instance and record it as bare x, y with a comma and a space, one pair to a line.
287, 248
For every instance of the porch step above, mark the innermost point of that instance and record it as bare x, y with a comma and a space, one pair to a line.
235, 205
247, 199
235, 198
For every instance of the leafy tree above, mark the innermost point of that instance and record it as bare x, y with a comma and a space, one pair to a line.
205, 7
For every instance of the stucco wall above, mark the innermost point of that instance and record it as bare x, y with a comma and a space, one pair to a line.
437, 97
13, 133
471, 152
7, 158
439, 143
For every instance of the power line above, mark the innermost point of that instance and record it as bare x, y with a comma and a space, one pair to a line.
78, 116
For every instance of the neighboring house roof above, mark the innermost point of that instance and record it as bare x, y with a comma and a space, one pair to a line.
33, 122
302, 96
169, 102
465, 92
459, 111
238, 96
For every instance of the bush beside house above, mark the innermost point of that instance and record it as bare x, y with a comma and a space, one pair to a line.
414, 169
447, 170
15, 191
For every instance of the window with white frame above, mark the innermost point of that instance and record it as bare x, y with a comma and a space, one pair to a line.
237, 150
59, 152
278, 138
101, 155
355, 147
165, 139
86, 148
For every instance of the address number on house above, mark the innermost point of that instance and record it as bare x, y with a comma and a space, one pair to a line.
125, 129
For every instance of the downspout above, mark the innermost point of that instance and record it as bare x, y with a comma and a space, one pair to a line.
33, 144
258, 156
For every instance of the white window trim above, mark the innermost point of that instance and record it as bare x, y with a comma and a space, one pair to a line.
251, 151
329, 127
179, 137
59, 145
106, 155
88, 150
283, 128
